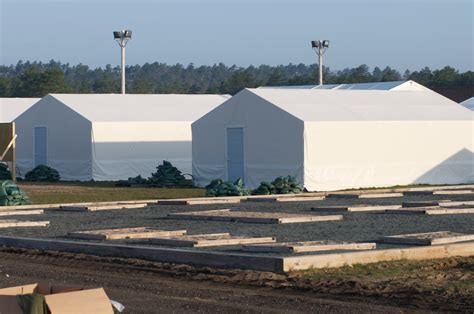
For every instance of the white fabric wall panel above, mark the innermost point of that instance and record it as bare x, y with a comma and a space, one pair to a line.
127, 149
68, 139
340, 155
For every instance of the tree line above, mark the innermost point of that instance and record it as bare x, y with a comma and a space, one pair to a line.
36, 79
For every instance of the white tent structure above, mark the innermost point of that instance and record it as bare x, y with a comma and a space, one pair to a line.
11, 108
393, 85
468, 103
335, 139
109, 137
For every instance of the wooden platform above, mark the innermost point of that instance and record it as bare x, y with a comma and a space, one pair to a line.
439, 192
308, 246
99, 207
21, 212
343, 195
440, 203
380, 195
355, 208
421, 204
206, 258
453, 192
84, 204
204, 201
9, 223
286, 199
417, 193
251, 217
431, 211
428, 238
455, 203
364, 195
206, 240
124, 233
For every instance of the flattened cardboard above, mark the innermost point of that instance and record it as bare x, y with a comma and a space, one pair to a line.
60, 299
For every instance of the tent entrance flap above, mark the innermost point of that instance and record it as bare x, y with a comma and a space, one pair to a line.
235, 154
40, 146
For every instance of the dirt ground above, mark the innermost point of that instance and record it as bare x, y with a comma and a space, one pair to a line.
147, 287
150, 287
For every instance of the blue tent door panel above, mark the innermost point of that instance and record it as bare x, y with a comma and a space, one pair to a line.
41, 146
235, 153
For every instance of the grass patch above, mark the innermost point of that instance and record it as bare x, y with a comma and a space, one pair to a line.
75, 193
452, 273
375, 270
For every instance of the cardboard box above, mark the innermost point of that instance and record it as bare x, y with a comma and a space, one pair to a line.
60, 299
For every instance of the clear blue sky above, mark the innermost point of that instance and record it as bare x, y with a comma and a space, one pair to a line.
402, 34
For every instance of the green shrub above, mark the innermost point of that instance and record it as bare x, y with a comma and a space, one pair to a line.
43, 173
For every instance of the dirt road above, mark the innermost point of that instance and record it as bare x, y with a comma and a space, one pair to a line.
145, 289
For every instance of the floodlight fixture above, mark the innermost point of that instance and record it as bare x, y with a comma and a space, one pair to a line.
122, 37
320, 47
127, 34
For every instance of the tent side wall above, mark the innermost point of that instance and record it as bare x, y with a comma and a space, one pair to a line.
387, 153
68, 148
273, 141
126, 149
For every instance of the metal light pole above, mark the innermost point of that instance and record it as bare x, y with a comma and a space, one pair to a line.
320, 47
122, 37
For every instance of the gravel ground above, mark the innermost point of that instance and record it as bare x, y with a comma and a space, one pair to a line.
354, 227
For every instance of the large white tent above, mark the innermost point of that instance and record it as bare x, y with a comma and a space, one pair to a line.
11, 108
109, 137
335, 139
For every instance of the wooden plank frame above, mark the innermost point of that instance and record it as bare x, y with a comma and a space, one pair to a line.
454, 192
203, 201
207, 240
100, 207
428, 238
307, 246
354, 208
21, 212
251, 217
431, 211
286, 199
124, 233
279, 264
11, 223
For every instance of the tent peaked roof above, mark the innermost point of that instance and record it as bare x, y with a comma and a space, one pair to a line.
363, 105
468, 103
11, 108
143, 107
394, 85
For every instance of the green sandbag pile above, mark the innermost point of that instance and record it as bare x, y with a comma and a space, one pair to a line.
5, 174
220, 188
43, 173
281, 185
12, 195
167, 175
